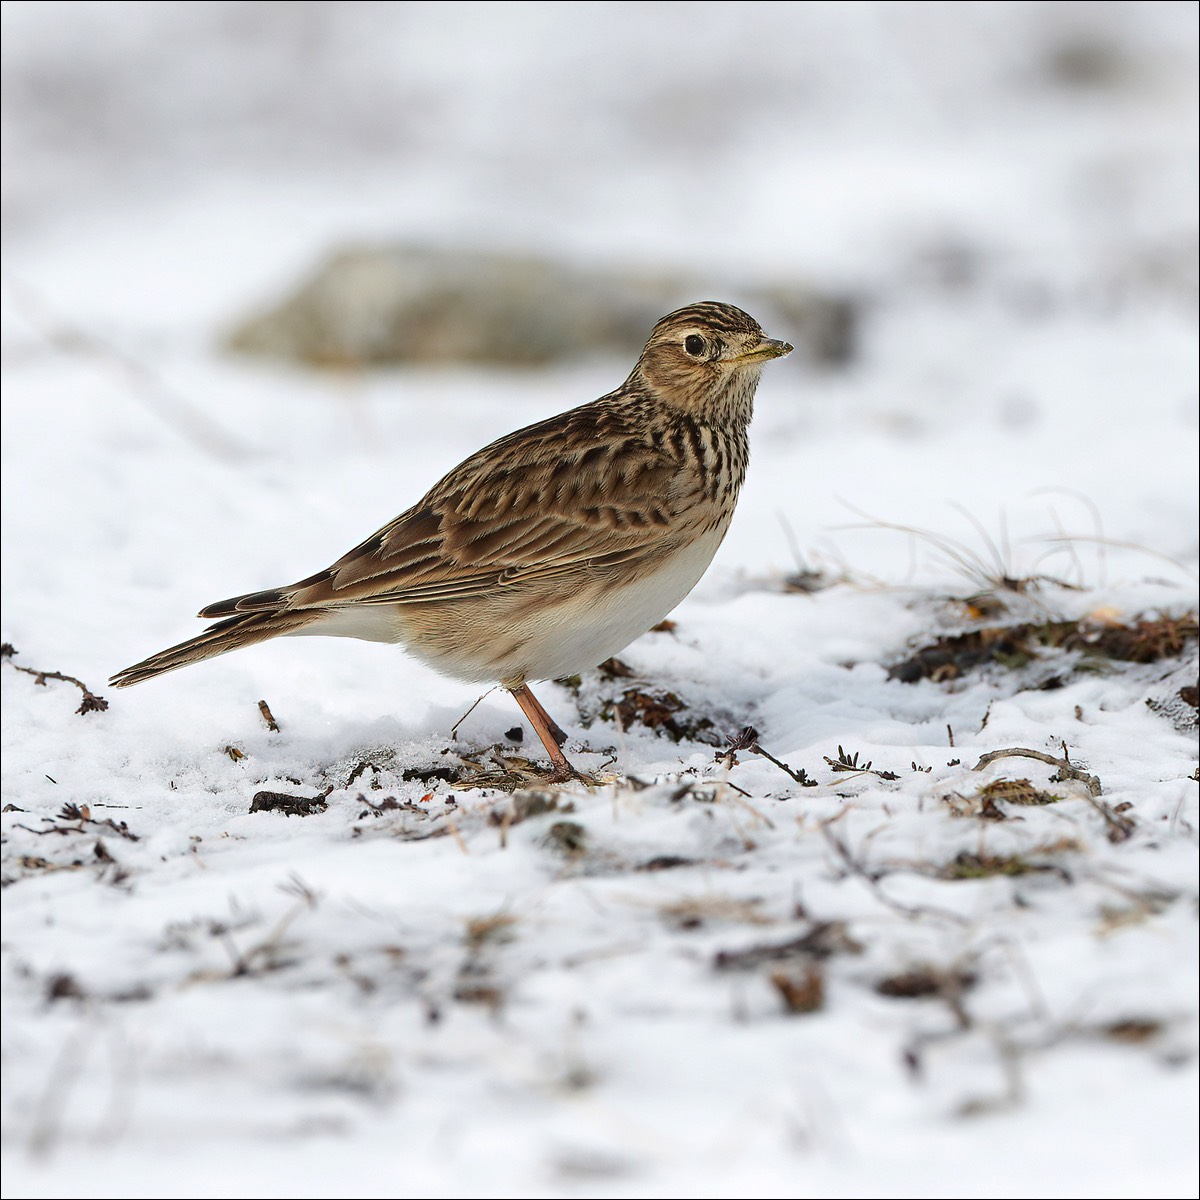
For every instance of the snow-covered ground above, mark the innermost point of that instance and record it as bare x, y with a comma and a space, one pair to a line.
421, 989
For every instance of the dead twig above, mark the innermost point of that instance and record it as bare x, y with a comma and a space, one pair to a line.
82, 814
1120, 827
822, 940
90, 703
748, 740
1066, 770
457, 724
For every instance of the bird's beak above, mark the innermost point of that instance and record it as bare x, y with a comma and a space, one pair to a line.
767, 348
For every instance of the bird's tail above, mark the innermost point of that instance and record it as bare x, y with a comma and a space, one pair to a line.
232, 634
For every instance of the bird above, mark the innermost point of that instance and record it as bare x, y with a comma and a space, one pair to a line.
551, 549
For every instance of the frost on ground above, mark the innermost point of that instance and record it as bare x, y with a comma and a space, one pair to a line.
886, 882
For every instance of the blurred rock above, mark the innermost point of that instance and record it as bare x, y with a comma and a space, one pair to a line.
384, 305
1087, 61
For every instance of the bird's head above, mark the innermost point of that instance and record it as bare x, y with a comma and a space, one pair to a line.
706, 358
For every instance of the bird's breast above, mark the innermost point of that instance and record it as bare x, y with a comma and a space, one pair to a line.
556, 628
585, 625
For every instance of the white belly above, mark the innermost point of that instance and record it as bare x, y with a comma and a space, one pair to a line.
577, 635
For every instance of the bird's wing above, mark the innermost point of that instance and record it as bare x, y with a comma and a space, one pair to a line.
566, 498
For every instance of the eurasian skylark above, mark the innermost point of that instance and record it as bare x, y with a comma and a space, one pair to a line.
551, 549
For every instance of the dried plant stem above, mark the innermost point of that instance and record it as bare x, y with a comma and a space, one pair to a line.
1066, 769
1120, 827
90, 703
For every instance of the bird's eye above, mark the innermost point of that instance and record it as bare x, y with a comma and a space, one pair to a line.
694, 344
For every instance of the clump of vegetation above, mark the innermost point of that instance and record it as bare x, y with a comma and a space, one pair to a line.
664, 712
661, 711
985, 866
1092, 642
1015, 791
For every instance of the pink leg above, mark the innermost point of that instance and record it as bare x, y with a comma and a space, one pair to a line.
548, 732
555, 732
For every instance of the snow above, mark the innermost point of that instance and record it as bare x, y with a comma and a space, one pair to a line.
436, 997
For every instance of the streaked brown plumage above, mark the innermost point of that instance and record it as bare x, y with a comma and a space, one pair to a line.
551, 549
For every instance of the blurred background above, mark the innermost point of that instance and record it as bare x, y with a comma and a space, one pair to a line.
973, 219
845, 146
